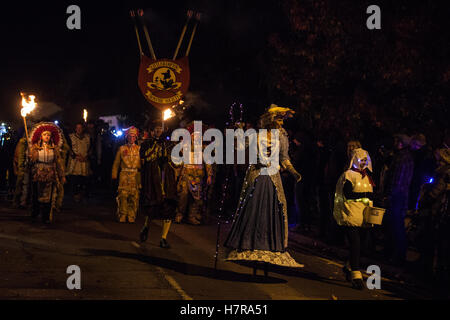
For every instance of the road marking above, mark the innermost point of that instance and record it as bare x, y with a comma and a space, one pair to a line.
174, 285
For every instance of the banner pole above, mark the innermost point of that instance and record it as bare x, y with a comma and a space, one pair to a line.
133, 16
149, 42
189, 16
193, 33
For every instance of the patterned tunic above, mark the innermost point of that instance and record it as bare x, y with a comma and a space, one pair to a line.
47, 174
80, 147
128, 160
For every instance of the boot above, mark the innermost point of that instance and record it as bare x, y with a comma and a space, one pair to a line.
357, 280
164, 244
143, 236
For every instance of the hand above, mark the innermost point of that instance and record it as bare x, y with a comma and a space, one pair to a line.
64, 180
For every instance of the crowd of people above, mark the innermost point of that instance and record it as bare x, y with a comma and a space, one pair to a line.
398, 172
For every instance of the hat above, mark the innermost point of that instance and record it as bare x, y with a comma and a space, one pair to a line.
280, 111
357, 155
131, 130
40, 128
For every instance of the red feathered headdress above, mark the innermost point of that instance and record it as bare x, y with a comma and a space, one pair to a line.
38, 129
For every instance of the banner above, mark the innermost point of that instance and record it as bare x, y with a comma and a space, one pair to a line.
163, 82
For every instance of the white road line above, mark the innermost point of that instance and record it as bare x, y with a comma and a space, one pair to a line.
174, 285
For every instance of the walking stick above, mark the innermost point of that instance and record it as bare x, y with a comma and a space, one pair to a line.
219, 220
149, 42
225, 185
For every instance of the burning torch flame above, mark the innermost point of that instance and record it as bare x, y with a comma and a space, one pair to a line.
167, 114
85, 115
28, 105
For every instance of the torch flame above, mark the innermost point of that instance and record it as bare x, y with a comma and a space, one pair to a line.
85, 115
28, 105
167, 114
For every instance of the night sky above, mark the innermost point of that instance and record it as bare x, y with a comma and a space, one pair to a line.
100, 62
230, 59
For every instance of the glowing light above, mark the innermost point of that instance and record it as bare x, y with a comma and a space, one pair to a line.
119, 133
431, 180
85, 115
56, 122
28, 105
167, 114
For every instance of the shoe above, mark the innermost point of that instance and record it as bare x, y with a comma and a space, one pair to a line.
164, 244
347, 273
143, 236
358, 284
357, 280
193, 221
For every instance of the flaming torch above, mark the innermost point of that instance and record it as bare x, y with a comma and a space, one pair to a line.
85, 115
28, 105
167, 114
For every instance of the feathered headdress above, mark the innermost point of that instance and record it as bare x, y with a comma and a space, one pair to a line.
41, 127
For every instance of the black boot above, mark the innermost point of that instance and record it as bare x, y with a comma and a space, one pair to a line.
357, 280
164, 244
143, 236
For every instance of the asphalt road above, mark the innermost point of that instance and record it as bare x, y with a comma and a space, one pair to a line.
34, 259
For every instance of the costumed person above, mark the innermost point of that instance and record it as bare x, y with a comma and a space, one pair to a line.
129, 162
78, 167
192, 185
159, 193
259, 233
46, 170
354, 192
22, 172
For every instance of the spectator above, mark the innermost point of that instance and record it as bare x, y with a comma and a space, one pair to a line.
398, 180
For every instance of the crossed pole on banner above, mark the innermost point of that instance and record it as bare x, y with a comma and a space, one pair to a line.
140, 14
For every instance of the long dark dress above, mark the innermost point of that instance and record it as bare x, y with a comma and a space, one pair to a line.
159, 197
260, 231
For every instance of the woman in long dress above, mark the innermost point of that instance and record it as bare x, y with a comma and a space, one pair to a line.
259, 232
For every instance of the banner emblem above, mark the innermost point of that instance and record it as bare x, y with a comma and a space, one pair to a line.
164, 82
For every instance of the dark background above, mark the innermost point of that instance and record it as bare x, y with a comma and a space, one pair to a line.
317, 57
